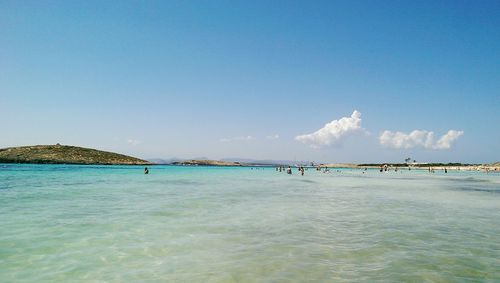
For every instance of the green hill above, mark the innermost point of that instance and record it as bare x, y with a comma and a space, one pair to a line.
64, 154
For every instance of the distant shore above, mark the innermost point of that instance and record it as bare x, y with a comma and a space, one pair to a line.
423, 166
194, 162
390, 166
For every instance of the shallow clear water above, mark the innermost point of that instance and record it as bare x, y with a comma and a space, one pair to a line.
205, 224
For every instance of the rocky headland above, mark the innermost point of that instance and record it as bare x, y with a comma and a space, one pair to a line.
65, 154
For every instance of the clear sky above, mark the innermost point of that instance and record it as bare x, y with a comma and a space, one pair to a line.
254, 79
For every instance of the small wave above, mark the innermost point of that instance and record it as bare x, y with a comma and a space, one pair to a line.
177, 182
472, 179
486, 190
468, 179
308, 181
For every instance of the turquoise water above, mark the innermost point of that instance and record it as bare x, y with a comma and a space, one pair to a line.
200, 224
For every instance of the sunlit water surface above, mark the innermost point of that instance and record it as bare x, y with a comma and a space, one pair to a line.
199, 224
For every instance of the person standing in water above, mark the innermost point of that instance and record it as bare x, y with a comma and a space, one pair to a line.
289, 170
146, 170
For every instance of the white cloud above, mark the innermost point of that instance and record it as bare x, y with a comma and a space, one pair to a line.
133, 142
242, 138
273, 137
418, 138
447, 140
334, 131
403, 140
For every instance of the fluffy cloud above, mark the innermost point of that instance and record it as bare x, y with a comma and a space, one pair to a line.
334, 131
243, 138
418, 138
448, 139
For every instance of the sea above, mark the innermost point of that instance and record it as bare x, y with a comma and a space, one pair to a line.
71, 223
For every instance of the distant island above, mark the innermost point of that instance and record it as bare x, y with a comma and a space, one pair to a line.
207, 163
65, 154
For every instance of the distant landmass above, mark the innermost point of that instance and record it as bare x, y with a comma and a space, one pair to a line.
205, 162
163, 161
65, 154
268, 162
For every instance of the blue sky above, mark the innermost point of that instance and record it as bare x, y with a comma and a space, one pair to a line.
219, 79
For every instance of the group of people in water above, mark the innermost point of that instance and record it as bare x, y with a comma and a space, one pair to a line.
385, 168
302, 169
288, 170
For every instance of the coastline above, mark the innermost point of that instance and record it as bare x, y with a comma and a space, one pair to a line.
482, 167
